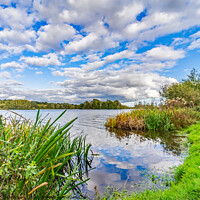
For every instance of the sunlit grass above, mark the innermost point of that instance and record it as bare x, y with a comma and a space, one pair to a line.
154, 119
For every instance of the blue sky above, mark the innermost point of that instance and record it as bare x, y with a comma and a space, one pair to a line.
76, 50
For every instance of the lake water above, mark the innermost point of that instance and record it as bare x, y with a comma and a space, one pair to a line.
124, 157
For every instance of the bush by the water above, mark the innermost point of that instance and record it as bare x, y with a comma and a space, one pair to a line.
154, 119
40, 161
188, 89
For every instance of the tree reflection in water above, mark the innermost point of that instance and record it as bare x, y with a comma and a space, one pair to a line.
170, 141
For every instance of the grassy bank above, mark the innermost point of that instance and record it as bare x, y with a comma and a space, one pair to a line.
41, 161
154, 119
187, 176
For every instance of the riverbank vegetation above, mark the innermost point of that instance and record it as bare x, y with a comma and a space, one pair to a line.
186, 184
164, 119
32, 105
188, 89
41, 161
180, 109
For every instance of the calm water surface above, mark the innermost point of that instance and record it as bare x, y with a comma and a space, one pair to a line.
124, 156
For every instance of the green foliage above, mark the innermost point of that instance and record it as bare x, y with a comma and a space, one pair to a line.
188, 89
182, 90
41, 161
154, 119
180, 110
28, 105
193, 77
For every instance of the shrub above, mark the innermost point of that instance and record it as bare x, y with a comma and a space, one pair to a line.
188, 89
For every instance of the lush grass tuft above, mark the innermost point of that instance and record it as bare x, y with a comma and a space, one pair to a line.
41, 161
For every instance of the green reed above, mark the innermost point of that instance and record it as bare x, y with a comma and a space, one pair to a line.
41, 161
154, 119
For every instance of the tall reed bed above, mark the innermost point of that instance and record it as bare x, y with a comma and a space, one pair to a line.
41, 161
154, 119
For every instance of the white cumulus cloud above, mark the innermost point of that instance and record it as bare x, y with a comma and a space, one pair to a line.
14, 65
5, 74
44, 61
165, 53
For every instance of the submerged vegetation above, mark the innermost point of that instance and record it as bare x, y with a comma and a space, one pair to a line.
187, 176
29, 105
41, 161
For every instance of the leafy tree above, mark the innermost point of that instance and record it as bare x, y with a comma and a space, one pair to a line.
193, 77
104, 105
87, 105
95, 104
188, 89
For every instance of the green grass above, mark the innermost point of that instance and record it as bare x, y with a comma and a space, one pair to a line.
41, 161
187, 176
164, 119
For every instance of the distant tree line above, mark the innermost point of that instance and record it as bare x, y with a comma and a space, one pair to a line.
29, 105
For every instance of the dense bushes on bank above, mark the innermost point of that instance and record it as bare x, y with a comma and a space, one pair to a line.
188, 89
179, 110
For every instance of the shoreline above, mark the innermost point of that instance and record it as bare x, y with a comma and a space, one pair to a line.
187, 175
